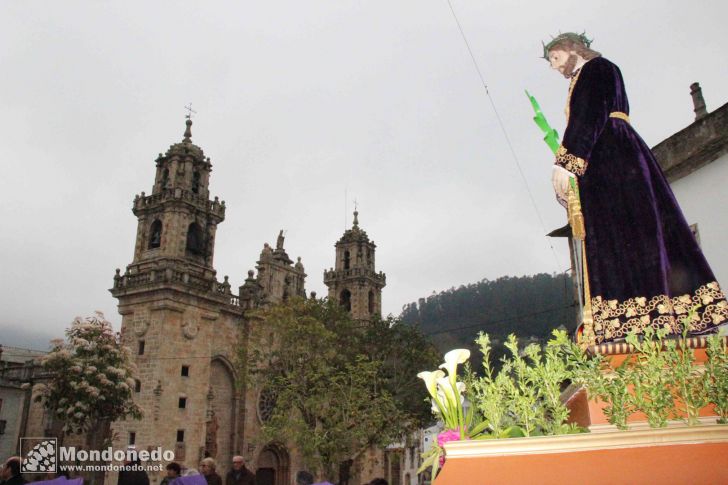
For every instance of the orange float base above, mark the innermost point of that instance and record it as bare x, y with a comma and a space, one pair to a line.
659, 464
675, 455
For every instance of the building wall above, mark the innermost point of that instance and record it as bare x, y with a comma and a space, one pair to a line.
11, 411
703, 197
182, 330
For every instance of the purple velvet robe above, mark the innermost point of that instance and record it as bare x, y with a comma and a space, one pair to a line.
645, 267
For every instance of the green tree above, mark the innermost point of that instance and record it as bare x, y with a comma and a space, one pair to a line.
402, 349
340, 385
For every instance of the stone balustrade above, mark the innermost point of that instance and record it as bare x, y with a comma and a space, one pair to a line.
170, 275
333, 275
215, 206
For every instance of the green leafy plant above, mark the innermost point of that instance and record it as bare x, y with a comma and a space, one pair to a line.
651, 384
689, 382
716, 376
610, 386
660, 378
524, 398
488, 394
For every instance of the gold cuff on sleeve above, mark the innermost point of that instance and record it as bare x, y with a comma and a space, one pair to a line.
570, 162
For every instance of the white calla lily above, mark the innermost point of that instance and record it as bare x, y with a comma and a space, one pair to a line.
448, 394
445, 390
453, 359
430, 379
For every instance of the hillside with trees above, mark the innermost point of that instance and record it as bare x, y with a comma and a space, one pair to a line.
528, 306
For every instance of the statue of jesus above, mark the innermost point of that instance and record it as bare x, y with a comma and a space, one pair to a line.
645, 267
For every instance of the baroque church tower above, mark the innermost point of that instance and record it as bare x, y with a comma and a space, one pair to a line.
354, 282
177, 222
180, 322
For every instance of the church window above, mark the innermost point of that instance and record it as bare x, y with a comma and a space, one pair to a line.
180, 436
137, 385
347, 259
155, 234
141, 347
3, 424
182, 403
196, 182
132, 437
194, 239
345, 300
185, 371
371, 302
165, 179
266, 404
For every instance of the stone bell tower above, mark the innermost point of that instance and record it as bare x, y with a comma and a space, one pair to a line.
354, 282
181, 324
177, 222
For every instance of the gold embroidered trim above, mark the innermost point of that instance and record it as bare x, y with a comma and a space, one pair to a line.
614, 319
619, 115
572, 84
570, 162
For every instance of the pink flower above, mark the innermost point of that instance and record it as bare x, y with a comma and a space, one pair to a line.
449, 435
444, 437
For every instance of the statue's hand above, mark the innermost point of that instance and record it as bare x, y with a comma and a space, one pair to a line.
560, 180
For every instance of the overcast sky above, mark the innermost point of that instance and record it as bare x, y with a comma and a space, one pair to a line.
299, 103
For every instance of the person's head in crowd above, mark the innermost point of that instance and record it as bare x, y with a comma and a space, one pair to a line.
207, 466
174, 470
304, 478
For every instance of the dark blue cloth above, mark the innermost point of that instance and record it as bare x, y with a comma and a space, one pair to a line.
645, 266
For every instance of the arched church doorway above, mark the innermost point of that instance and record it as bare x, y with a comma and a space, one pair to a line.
273, 467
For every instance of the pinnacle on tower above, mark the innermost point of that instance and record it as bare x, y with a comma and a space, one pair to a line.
188, 132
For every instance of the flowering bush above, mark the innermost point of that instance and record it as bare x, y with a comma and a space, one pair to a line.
92, 376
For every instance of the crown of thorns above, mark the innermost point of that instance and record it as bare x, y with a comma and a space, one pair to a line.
572, 36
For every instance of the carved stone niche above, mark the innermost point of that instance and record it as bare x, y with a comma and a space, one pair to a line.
141, 323
190, 327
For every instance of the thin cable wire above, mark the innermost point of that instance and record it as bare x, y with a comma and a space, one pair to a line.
505, 133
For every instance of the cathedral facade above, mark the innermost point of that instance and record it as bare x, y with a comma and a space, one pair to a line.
188, 331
